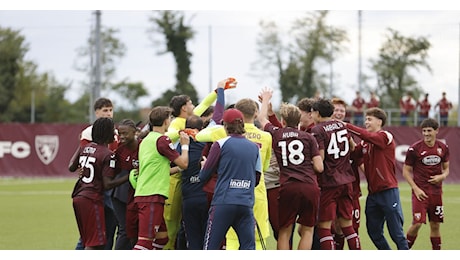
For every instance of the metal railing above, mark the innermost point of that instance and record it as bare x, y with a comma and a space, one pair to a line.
394, 118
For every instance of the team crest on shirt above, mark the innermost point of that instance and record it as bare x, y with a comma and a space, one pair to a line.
46, 147
439, 151
418, 216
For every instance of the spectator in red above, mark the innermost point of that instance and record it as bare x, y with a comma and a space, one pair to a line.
374, 101
424, 107
407, 105
444, 107
358, 108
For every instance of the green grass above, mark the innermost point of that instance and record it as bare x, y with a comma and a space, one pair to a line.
37, 214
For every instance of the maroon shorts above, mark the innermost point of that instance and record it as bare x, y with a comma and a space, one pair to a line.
356, 213
90, 218
272, 198
298, 199
336, 202
132, 220
150, 210
432, 206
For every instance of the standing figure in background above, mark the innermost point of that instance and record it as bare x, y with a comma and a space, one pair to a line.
407, 105
425, 168
424, 107
358, 108
374, 101
444, 107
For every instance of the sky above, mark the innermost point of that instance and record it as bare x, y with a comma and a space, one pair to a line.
225, 44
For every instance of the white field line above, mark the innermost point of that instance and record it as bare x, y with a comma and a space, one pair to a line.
32, 192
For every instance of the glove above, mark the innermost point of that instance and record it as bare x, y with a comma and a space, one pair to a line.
231, 83
190, 132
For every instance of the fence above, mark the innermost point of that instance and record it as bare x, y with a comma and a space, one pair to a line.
394, 119
44, 150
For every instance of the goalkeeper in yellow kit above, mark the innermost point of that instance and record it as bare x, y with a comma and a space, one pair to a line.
182, 108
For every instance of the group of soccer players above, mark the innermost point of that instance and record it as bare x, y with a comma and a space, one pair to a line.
192, 177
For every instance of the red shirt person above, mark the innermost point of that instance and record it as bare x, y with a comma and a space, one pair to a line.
444, 107
374, 101
425, 168
407, 105
336, 180
358, 109
377, 149
97, 170
424, 107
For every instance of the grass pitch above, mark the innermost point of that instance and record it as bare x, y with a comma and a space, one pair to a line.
37, 214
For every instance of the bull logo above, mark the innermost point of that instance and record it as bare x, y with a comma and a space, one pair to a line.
46, 147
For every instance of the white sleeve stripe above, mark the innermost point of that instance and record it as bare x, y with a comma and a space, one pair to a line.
389, 136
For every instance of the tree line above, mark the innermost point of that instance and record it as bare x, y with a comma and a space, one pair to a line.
297, 58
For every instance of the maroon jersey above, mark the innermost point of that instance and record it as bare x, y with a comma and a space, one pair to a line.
444, 106
333, 137
127, 160
407, 105
294, 150
424, 107
427, 161
373, 102
358, 103
95, 161
378, 152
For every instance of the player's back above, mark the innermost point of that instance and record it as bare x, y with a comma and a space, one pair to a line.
333, 137
294, 150
96, 161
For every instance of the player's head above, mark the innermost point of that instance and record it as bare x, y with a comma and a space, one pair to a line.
103, 130
194, 122
376, 113
103, 107
233, 121
248, 107
340, 108
429, 122
290, 114
160, 116
127, 130
305, 112
324, 107
181, 105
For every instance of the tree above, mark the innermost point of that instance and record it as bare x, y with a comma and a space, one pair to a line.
113, 50
311, 44
12, 51
397, 57
176, 34
25, 94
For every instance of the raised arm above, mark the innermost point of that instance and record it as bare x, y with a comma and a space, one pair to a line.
262, 117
